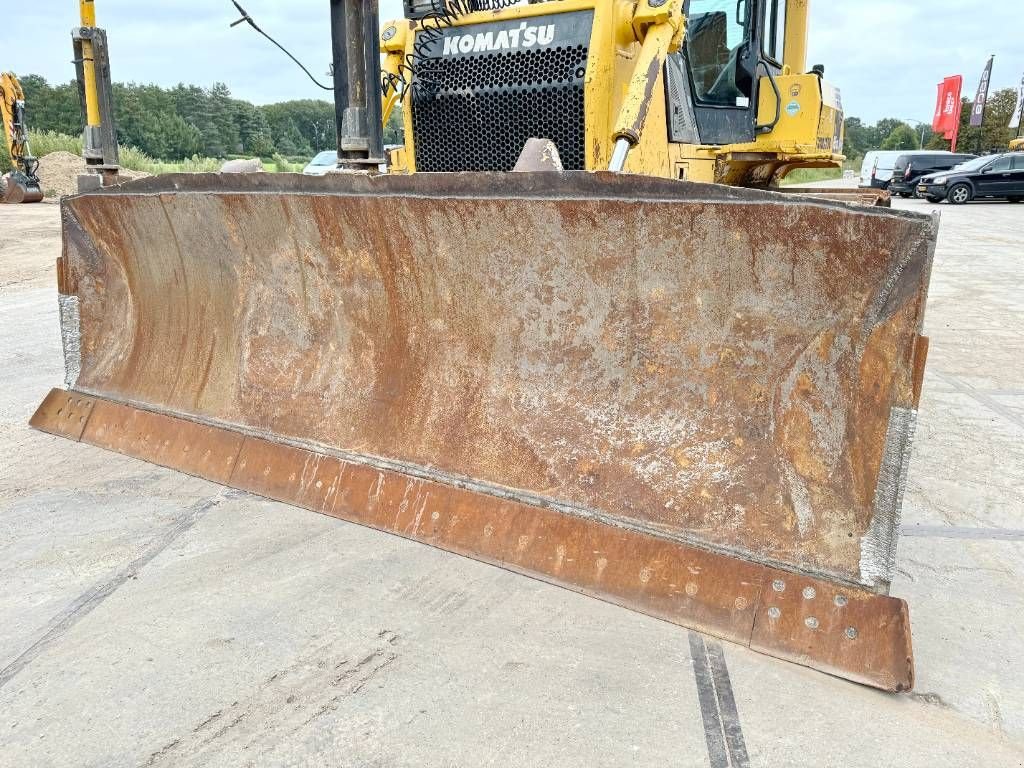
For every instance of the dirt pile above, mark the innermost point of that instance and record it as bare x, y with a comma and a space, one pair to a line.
58, 173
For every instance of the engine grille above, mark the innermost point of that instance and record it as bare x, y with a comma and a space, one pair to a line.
487, 105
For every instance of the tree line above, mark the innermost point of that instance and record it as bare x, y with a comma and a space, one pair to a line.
186, 120
994, 135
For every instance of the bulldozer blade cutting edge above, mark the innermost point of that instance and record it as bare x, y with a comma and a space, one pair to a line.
693, 401
862, 195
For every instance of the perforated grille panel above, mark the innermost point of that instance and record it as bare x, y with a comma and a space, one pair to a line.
487, 105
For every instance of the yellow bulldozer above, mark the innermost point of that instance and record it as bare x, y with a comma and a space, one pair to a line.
571, 331
20, 184
717, 91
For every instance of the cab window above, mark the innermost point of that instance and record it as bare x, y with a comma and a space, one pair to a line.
774, 43
1002, 164
716, 31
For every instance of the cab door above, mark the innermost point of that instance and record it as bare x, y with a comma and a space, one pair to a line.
723, 60
996, 178
1017, 176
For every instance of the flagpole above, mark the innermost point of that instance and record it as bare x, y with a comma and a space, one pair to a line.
978, 120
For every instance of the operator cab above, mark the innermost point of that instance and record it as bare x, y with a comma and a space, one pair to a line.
712, 80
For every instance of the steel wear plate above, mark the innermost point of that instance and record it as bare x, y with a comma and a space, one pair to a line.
732, 370
714, 364
716, 594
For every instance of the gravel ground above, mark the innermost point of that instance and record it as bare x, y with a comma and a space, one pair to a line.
58, 173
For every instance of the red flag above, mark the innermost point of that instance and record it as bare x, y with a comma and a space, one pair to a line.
947, 108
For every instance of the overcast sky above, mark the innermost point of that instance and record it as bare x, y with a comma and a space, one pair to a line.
885, 55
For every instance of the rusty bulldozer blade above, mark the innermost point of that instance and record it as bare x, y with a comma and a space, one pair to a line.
689, 400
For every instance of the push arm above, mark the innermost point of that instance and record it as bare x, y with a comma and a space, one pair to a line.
660, 27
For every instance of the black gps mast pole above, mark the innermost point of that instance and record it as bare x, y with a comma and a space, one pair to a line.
357, 91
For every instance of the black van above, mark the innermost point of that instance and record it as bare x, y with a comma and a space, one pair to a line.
910, 168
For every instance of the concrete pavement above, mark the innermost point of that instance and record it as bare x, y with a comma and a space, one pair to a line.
148, 618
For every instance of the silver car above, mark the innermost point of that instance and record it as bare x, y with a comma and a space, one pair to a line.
324, 162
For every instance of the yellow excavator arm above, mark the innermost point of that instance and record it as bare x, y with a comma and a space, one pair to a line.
21, 185
12, 95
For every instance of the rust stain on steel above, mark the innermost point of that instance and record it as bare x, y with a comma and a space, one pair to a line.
63, 413
879, 198
920, 359
658, 577
713, 593
195, 449
64, 284
855, 634
712, 364
643, 101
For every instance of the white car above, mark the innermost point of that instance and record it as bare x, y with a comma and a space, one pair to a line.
323, 163
876, 170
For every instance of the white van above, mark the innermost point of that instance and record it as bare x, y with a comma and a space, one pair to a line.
876, 170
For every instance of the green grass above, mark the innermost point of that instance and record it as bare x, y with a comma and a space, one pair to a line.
134, 160
809, 175
45, 142
194, 164
281, 164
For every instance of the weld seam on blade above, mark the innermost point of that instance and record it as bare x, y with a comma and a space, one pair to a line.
475, 484
88, 418
878, 545
920, 256
68, 308
570, 185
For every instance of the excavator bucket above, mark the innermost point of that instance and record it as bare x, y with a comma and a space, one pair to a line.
689, 400
19, 188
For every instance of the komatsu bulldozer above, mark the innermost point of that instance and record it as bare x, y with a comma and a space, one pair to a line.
21, 184
629, 368
709, 90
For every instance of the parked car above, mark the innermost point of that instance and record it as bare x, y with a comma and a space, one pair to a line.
327, 161
993, 176
877, 168
322, 163
910, 168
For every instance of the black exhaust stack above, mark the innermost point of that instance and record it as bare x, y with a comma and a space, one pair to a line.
357, 89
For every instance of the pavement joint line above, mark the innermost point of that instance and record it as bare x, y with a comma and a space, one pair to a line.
962, 532
722, 732
84, 604
982, 397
